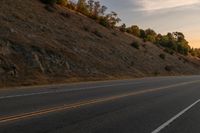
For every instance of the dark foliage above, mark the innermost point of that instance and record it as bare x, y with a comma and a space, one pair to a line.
135, 45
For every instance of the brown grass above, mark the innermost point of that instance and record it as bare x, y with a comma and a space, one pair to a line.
63, 46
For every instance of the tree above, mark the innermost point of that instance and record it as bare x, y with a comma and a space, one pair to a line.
104, 21
82, 7
134, 30
164, 41
122, 28
150, 32
97, 6
175, 41
142, 34
62, 2
151, 35
111, 19
182, 43
151, 38
91, 6
103, 10
71, 5
179, 36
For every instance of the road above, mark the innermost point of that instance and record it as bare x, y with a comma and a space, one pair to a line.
148, 105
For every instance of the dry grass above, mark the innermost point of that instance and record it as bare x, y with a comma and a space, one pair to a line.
63, 46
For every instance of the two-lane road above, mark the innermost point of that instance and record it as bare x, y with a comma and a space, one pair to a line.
149, 105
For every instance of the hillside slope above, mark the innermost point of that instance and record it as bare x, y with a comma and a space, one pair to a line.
41, 45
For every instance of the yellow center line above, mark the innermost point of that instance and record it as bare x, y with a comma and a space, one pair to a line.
84, 103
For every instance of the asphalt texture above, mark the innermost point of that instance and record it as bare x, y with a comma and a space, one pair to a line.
121, 106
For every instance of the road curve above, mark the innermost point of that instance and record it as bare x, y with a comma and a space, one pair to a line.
148, 105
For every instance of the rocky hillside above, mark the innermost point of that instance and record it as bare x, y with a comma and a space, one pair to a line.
40, 44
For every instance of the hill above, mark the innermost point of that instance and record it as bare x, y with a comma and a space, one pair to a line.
41, 44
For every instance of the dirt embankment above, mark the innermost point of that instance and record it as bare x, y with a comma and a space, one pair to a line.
40, 45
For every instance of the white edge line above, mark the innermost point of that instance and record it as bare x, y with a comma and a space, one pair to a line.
174, 118
68, 90
87, 88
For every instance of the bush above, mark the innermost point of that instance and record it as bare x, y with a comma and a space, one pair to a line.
162, 56
114, 34
156, 73
50, 8
64, 14
71, 5
86, 28
169, 51
62, 2
168, 68
104, 22
97, 33
135, 45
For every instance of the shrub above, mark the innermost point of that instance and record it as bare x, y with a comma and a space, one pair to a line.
144, 45
168, 68
64, 14
50, 8
86, 28
71, 5
104, 22
114, 34
162, 56
156, 73
62, 2
169, 51
97, 33
135, 45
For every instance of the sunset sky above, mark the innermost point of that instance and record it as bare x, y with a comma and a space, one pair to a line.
161, 15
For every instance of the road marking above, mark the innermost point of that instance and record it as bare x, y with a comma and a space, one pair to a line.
83, 88
83, 103
63, 91
164, 125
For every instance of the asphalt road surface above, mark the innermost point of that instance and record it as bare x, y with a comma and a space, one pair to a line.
148, 105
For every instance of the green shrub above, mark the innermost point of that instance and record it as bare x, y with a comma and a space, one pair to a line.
162, 56
169, 51
71, 5
135, 45
104, 22
62, 2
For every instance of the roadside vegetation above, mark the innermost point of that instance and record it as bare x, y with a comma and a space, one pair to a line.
172, 42
92, 9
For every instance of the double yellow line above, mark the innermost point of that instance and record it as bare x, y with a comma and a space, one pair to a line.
23, 116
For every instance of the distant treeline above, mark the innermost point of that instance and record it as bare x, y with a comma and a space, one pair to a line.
173, 42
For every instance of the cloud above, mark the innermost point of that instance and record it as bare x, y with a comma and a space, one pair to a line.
151, 5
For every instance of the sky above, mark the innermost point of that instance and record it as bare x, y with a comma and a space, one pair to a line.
161, 15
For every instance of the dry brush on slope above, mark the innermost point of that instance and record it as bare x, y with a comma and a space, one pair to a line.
42, 45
